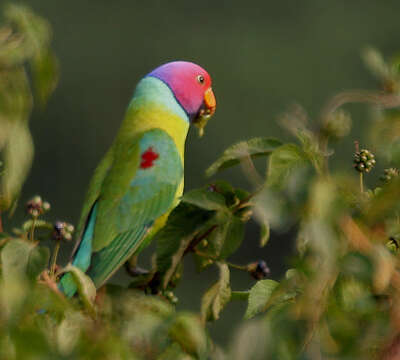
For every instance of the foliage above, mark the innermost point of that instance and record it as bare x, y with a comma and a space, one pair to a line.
24, 48
339, 299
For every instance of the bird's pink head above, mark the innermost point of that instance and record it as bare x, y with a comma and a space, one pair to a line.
191, 86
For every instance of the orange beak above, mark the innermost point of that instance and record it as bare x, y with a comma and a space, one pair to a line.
206, 111
209, 101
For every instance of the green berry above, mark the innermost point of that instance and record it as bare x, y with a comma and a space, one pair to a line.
46, 206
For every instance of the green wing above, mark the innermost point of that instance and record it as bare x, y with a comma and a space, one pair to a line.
131, 200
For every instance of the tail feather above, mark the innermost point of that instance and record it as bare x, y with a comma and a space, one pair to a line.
82, 256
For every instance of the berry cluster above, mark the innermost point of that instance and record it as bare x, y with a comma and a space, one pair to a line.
36, 206
364, 161
389, 174
62, 231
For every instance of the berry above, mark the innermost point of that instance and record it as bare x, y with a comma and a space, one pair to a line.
62, 231
258, 270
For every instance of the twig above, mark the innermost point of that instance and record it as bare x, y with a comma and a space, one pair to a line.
50, 283
361, 182
214, 258
54, 259
360, 96
196, 240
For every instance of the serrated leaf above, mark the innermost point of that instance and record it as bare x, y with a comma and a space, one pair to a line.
205, 198
217, 296
185, 222
86, 288
188, 332
259, 296
234, 154
282, 162
264, 233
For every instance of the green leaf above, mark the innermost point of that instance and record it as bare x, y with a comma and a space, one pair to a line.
14, 258
45, 70
205, 198
86, 288
174, 352
259, 296
20, 258
184, 223
282, 162
225, 239
264, 233
217, 296
234, 154
188, 332
231, 235
69, 331
18, 155
38, 261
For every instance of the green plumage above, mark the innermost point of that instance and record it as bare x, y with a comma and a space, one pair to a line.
135, 186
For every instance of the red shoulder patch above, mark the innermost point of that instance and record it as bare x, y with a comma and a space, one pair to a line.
148, 158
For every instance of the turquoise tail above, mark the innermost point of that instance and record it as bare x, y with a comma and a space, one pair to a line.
82, 256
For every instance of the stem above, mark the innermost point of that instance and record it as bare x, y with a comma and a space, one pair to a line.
1, 224
54, 259
239, 295
197, 240
323, 145
361, 182
234, 266
32, 232
237, 267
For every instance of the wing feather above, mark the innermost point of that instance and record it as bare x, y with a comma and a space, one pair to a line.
124, 216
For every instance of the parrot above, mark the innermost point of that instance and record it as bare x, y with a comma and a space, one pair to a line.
140, 179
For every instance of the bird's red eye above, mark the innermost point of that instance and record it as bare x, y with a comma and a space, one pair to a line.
200, 79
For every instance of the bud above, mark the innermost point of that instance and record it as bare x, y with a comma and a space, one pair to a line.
258, 270
364, 161
34, 206
337, 124
389, 174
46, 206
171, 297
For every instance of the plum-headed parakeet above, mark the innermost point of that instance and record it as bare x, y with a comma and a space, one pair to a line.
140, 179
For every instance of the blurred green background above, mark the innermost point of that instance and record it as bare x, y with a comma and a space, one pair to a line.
262, 55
